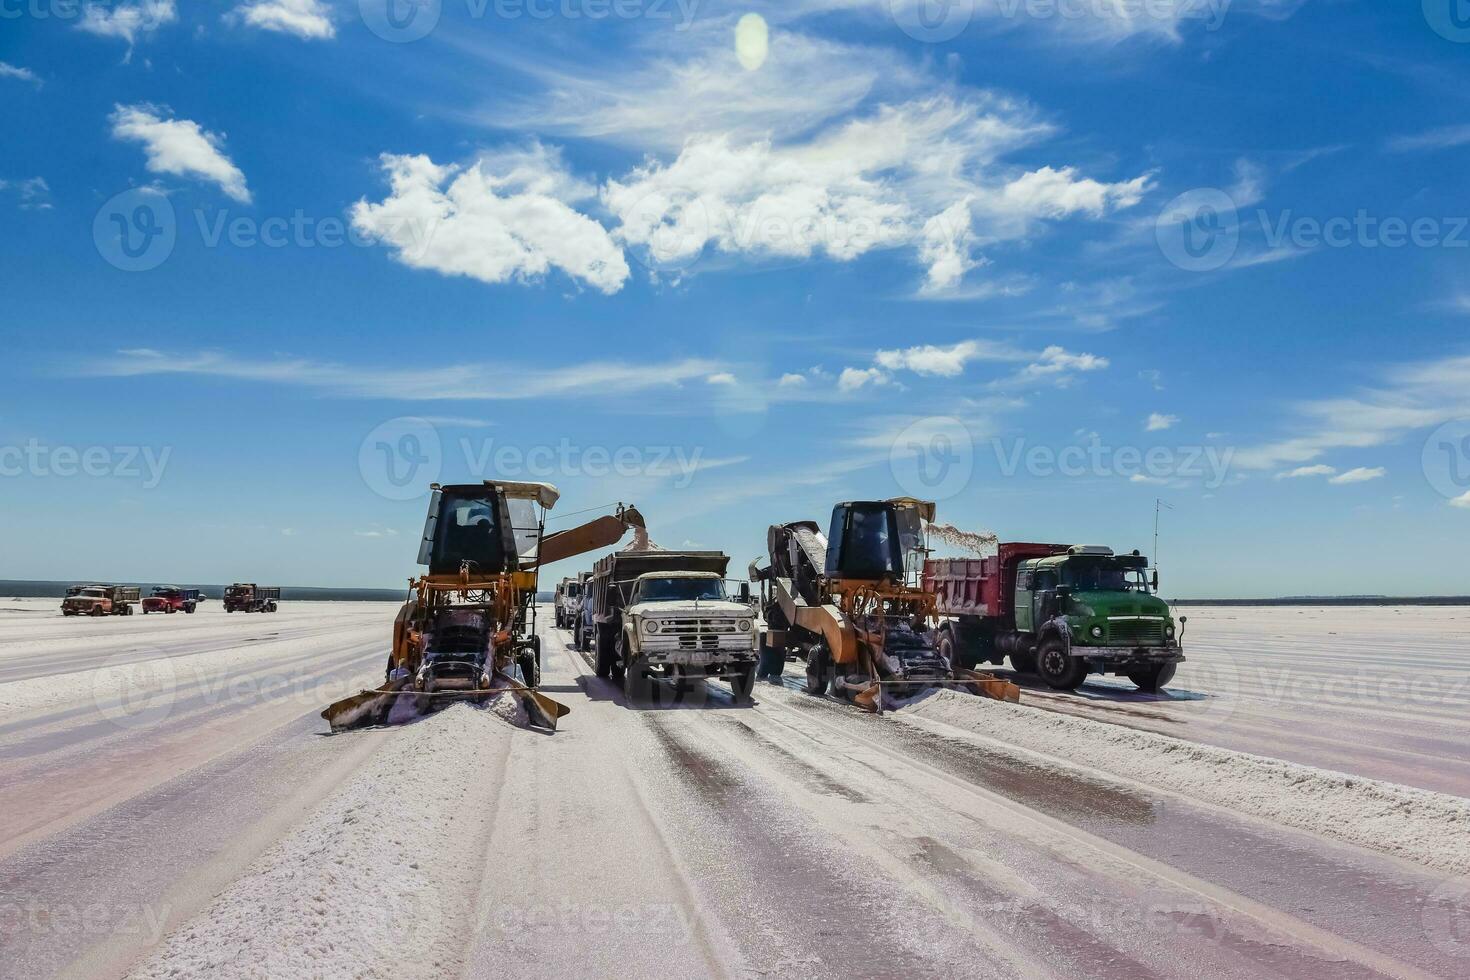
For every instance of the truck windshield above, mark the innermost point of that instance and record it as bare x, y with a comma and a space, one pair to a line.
93, 593
680, 589
1103, 576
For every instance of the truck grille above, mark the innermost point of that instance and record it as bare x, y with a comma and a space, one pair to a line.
696, 627
1136, 632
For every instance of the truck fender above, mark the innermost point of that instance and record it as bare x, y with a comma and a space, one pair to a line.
1056, 629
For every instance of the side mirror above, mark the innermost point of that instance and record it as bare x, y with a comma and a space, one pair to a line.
745, 592
1156, 580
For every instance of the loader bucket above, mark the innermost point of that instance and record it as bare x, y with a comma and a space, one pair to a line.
990, 686
357, 711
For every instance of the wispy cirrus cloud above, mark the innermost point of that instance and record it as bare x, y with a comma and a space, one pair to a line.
458, 381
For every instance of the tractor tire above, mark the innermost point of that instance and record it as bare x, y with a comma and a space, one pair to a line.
606, 655
530, 664
819, 669
1059, 668
1154, 678
742, 682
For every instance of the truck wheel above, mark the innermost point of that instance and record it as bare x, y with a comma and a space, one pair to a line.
819, 670
637, 685
742, 682
1152, 679
606, 655
145, 610
1024, 662
1058, 668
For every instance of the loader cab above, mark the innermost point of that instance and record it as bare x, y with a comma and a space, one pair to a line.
495, 527
875, 540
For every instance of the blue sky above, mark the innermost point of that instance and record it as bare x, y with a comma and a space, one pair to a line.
735, 262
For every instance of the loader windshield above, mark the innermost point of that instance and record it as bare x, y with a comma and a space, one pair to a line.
468, 530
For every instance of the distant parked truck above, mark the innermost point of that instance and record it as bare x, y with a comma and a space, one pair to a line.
568, 598
1059, 611
171, 599
100, 600
666, 615
249, 597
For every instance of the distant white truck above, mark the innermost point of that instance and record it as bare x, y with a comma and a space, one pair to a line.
665, 615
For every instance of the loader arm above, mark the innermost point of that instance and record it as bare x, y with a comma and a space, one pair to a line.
601, 533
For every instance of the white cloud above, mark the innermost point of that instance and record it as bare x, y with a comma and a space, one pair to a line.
126, 20
457, 421
34, 193
851, 379
721, 378
1412, 396
1054, 365
1360, 475
946, 362
376, 531
1321, 469
456, 381
8, 70
307, 19
1153, 481
505, 217
792, 380
1445, 138
1462, 501
179, 147
1157, 422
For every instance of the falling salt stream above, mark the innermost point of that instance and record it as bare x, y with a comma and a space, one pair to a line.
641, 541
981, 543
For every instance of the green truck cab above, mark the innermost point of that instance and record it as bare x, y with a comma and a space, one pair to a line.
1060, 611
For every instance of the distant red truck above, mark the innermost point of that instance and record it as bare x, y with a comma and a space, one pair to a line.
171, 599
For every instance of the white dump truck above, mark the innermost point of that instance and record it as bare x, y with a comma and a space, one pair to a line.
666, 615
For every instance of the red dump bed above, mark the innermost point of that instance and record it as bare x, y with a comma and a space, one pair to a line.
982, 586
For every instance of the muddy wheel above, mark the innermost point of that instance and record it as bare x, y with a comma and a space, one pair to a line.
637, 685
1058, 668
606, 653
1024, 662
530, 664
819, 670
742, 682
1153, 678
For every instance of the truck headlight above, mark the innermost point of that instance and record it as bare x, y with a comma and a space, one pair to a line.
743, 626
1169, 629
1097, 632
650, 626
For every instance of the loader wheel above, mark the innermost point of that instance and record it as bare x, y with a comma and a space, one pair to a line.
1152, 679
530, 666
772, 661
819, 670
1059, 668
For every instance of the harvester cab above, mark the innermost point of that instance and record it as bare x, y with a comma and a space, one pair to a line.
468, 628
851, 605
